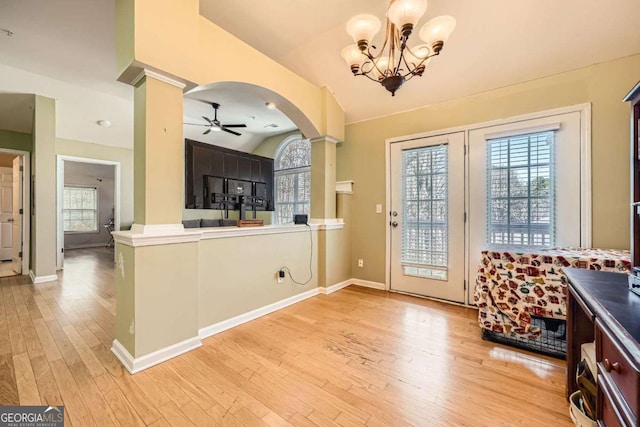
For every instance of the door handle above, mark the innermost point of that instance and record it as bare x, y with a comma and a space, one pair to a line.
10, 220
394, 224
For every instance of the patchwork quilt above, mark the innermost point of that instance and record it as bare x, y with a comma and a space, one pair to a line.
511, 287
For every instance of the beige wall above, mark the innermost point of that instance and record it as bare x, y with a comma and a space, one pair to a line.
170, 295
43, 169
269, 146
125, 297
361, 157
237, 275
102, 152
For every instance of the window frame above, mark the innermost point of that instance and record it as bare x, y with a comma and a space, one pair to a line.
509, 167
296, 172
97, 209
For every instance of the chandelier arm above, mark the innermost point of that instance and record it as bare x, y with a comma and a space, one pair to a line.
411, 72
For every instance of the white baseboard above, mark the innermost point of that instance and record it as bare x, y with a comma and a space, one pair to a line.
333, 288
216, 328
41, 279
134, 365
369, 284
86, 245
138, 364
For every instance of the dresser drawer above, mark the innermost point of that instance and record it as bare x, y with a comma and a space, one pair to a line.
617, 369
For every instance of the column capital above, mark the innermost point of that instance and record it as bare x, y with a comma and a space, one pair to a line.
325, 138
145, 72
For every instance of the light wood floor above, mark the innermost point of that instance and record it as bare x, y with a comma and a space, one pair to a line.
355, 357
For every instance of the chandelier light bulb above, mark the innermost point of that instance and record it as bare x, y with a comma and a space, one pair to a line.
406, 13
352, 56
382, 67
438, 30
419, 52
362, 29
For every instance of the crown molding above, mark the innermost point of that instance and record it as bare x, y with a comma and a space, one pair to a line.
158, 76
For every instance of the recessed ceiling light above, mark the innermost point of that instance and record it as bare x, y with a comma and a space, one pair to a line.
270, 105
104, 123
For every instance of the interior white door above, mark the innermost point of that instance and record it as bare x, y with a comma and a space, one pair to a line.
17, 209
427, 216
6, 212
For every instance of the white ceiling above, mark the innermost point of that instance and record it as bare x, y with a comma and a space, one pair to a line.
496, 43
239, 104
65, 49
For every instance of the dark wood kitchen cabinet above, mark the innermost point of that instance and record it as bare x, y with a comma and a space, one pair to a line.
204, 161
600, 307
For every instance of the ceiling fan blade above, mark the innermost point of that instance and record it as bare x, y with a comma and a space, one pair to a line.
235, 126
230, 131
206, 131
208, 120
196, 124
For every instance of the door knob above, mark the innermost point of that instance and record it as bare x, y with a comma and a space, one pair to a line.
394, 213
10, 220
394, 224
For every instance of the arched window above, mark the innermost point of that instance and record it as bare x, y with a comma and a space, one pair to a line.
292, 179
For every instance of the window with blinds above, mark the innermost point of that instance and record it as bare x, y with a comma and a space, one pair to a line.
424, 222
521, 190
80, 209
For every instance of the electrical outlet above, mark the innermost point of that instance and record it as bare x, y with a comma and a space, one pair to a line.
360, 262
280, 276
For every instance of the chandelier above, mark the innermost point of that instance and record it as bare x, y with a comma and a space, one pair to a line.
395, 62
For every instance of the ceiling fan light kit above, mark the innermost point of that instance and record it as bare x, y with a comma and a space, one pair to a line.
395, 62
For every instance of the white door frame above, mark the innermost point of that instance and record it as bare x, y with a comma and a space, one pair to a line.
585, 176
26, 205
60, 159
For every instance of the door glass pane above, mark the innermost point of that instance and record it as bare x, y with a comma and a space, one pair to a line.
520, 190
425, 212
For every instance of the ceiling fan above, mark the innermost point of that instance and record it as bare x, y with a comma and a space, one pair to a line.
215, 125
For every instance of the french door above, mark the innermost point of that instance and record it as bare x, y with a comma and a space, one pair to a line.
427, 217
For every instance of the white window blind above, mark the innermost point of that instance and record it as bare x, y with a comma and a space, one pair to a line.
521, 190
425, 213
80, 209
292, 179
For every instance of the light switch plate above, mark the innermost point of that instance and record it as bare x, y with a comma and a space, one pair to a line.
378, 208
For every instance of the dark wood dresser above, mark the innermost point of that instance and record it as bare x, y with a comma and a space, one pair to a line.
600, 307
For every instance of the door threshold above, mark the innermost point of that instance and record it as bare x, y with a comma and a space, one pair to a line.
446, 301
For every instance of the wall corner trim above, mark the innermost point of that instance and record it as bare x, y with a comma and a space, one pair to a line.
138, 364
41, 279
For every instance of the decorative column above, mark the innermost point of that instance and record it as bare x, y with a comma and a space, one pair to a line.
158, 148
157, 261
323, 178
